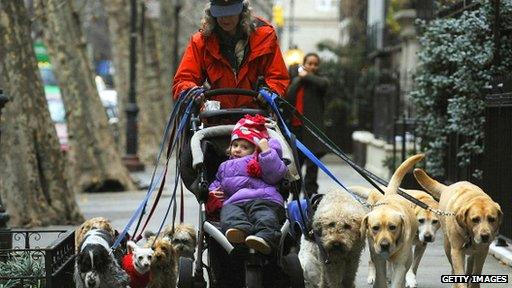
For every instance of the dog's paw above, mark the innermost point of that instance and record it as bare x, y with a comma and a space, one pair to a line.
410, 280
371, 274
371, 279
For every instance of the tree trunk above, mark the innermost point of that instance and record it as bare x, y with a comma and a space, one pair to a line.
95, 162
33, 182
166, 41
119, 28
154, 99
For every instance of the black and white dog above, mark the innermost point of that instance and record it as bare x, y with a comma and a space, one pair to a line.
95, 265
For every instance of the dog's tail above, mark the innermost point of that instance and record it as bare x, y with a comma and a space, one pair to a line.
430, 185
400, 172
360, 191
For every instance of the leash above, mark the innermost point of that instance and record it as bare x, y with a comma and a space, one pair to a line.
185, 99
272, 98
363, 172
182, 123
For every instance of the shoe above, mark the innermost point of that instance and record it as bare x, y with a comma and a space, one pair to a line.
235, 235
259, 244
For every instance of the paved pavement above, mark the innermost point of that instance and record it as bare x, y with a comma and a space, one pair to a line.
119, 207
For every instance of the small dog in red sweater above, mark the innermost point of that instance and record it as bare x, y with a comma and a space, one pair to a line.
137, 264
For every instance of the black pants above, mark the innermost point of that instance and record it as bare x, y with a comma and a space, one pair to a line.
311, 175
256, 217
229, 270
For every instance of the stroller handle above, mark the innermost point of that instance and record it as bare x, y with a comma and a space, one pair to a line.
230, 91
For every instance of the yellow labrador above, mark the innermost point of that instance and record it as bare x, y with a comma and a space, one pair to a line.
472, 229
428, 224
391, 228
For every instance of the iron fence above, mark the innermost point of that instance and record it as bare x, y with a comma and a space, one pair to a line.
497, 161
37, 258
385, 107
455, 172
405, 144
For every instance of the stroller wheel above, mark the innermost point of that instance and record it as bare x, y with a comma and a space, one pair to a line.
185, 269
292, 267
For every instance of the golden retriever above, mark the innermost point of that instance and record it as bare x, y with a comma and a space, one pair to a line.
391, 228
473, 227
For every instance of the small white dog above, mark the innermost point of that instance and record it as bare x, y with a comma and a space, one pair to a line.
137, 263
336, 222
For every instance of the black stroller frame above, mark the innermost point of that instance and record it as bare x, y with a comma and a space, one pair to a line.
188, 276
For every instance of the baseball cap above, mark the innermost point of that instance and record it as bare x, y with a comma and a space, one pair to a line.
221, 8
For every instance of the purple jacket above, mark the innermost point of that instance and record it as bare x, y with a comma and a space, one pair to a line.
232, 177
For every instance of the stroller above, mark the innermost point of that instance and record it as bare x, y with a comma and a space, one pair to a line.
210, 137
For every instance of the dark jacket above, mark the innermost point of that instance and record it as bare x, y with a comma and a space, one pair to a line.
315, 88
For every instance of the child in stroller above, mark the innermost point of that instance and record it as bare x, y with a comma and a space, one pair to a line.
231, 265
253, 209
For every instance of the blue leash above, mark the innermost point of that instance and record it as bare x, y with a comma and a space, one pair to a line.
270, 97
185, 97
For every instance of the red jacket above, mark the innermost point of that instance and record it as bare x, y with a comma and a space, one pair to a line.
136, 280
204, 61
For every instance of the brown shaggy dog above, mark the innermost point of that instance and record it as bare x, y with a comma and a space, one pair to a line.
164, 265
183, 238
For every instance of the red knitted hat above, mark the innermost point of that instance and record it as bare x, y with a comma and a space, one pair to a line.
250, 128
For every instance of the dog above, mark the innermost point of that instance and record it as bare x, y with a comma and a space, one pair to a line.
390, 228
475, 224
137, 263
164, 265
95, 265
183, 238
428, 224
93, 223
336, 222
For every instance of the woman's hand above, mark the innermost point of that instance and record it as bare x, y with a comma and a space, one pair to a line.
263, 145
217, 194
302, 71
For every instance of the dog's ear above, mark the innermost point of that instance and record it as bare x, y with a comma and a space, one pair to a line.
500, 217
148, 234
404, 233
461, 214
131, 246
364, 226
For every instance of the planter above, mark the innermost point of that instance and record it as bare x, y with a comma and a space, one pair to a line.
37, 258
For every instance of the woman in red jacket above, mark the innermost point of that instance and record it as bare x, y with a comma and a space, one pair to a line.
231, 50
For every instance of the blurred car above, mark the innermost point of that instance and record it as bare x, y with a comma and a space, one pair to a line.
56, 105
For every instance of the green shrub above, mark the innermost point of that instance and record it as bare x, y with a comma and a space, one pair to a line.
456, 61
22, 264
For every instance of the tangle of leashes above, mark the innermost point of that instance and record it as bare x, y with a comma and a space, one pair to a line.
185, 100
178, 139
367, 175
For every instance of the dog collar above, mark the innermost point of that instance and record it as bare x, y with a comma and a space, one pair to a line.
377, 205
95, 237
468, 243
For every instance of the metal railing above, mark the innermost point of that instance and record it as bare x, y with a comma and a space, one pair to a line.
497, 160
48, 256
